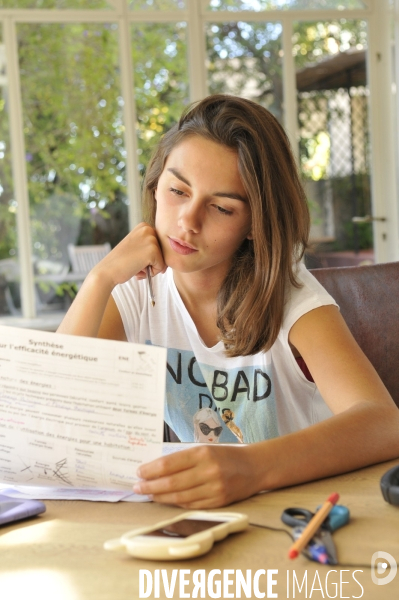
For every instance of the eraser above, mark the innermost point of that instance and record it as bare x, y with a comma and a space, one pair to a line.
333, 498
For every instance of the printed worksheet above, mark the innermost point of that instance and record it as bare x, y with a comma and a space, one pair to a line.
30, 492
77, 412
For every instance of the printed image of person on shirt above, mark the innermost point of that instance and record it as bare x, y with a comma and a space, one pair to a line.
207, 426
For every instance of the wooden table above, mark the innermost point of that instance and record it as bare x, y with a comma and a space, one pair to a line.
59, 555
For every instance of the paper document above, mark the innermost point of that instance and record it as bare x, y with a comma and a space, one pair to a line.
24, 492
78, 412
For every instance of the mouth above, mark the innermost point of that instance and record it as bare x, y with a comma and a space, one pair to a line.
181, 247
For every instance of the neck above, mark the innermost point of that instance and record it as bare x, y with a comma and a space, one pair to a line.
197, 289
199, 293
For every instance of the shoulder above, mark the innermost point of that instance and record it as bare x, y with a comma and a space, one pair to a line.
299, 300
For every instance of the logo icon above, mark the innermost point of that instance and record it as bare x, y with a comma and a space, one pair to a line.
380, 567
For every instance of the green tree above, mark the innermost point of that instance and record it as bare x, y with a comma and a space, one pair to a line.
74, 129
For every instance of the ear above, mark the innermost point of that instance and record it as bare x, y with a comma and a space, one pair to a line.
155, 194
250, 236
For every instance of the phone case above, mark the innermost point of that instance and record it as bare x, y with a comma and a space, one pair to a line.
12, 509
159, 548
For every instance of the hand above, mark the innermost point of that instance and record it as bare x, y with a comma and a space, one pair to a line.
139, 249
209, 476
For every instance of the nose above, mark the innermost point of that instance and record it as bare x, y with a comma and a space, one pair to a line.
190, 217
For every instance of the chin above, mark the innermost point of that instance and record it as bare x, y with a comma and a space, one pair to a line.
177, 264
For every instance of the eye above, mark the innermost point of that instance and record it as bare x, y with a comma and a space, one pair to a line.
222, 210
175, 191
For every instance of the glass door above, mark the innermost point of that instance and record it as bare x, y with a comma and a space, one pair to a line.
334, 148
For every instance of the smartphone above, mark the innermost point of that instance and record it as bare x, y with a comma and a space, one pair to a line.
14, 510
186, 536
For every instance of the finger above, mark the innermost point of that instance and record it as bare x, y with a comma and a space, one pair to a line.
178, 482
178, 498
200, 497
183, 480
167, 465
198, 494
191, 485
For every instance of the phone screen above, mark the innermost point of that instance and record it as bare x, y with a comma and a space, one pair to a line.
183, 528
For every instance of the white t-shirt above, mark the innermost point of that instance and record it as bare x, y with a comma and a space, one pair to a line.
213, 398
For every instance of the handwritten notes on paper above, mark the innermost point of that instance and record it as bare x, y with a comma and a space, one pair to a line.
78, 412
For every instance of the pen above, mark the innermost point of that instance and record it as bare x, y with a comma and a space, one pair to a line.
312, 526
316, 550
150, 290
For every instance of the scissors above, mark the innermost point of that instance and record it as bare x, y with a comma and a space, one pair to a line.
339, 516
321, 548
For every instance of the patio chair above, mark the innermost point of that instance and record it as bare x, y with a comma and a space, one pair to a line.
9, 276
84, 258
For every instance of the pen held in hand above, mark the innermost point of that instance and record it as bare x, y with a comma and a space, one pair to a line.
150, 290
313, 526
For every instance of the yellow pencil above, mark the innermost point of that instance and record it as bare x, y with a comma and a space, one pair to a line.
313, 526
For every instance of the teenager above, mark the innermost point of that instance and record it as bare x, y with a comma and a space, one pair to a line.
251, 335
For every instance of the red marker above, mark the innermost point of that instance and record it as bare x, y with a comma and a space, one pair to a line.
312, 526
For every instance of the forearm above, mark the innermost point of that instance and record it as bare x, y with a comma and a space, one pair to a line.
364, 434
85, 315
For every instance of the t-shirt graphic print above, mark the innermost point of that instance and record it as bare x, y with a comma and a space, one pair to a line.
210, 404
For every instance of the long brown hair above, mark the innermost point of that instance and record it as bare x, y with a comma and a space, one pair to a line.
251, 299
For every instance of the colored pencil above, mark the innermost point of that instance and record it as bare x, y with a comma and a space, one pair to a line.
313, 525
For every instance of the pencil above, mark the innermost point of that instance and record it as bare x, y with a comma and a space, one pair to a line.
313, 526
150, 290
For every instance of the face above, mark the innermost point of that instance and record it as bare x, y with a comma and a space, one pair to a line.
209, 431
202, 215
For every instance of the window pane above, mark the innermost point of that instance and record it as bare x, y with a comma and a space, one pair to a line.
9, 268
259, 5
334, 142
157, 4
245, 59
86, 4
161, 81
72, 110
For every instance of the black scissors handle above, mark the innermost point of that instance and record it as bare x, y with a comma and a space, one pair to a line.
298, 517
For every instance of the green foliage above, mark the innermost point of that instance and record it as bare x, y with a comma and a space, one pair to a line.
73, 127
245, 59
55, 4
314, 41
258, 5
157, 4
73, 107
161, 81
74, 132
